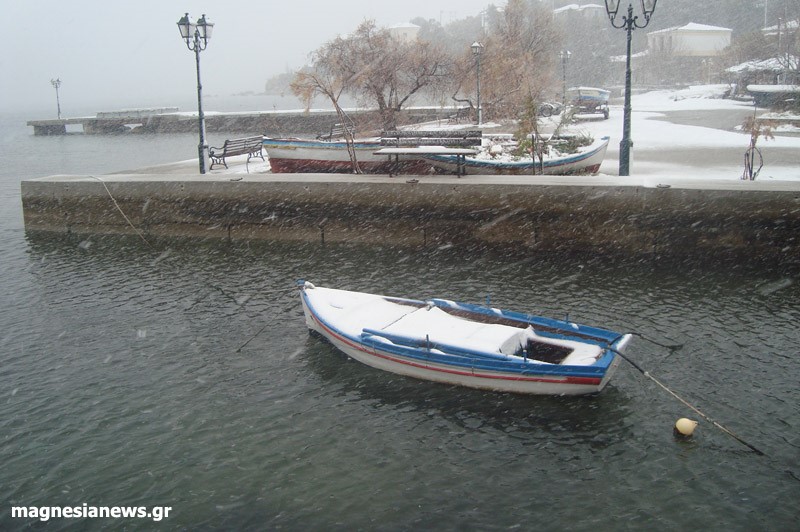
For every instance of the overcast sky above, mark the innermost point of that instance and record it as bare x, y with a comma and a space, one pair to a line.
113, 54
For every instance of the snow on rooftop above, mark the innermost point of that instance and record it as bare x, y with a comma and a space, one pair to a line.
577, 7
773, 88
773, 64
784, 26
692, 26
404, 25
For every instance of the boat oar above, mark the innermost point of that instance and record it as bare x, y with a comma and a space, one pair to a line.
685, 402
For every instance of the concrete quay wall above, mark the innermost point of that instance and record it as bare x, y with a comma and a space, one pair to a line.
590, 215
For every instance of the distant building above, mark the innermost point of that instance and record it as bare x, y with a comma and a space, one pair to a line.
406, 32
681, 54
586, 11
691, 40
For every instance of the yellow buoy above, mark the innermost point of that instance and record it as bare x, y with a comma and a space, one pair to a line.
684, 427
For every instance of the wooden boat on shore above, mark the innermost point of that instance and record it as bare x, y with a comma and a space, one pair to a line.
464, 344
586, 161
293, 155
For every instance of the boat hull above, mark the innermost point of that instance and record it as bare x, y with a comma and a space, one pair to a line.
585, 163
552, 380
313, 156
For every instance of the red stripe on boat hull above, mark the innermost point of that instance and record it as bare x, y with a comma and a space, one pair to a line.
580, 381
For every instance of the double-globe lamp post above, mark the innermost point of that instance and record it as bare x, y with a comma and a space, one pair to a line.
629, 22
196, 35
477, 51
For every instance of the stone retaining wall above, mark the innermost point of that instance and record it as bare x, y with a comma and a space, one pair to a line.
569, 217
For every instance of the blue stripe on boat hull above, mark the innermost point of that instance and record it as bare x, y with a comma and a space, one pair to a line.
462, 370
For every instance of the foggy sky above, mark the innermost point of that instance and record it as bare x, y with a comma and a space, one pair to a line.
126, 54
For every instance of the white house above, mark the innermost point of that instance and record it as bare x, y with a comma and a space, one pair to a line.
405, 32
589, 11
691, 40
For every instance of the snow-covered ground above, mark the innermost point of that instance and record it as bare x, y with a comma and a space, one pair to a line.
698, 151
663, 145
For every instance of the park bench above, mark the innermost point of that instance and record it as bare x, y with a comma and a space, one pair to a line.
250, 146
430, 142
337, 131
430, 137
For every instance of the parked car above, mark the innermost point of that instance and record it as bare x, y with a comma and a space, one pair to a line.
588, 100
547, 109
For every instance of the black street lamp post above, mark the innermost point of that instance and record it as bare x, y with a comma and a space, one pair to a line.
477, 51
56, 84
629, 23
196, 35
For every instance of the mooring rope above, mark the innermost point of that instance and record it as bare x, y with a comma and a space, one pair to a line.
123, 213
671, 347
685, 402
270, 322
281, 292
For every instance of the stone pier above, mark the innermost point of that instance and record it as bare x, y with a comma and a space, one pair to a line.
593, 215
273, 123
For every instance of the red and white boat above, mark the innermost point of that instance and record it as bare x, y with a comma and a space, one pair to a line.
293, 155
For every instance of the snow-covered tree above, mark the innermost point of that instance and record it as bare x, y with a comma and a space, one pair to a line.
380, 70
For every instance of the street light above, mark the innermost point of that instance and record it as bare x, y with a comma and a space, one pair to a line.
477, 51
57, 83
564, 55
628, 23
197, 36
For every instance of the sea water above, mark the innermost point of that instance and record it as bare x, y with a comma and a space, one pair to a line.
179, 373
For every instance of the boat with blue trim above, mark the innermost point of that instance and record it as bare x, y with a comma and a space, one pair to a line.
585, 161
464, 344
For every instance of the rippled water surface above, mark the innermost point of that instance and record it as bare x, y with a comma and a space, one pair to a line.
182, 375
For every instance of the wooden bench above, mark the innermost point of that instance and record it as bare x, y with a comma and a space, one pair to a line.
462, 138
414, 142
337, 131
251, 146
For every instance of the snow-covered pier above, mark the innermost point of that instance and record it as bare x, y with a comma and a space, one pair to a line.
601, 214
170, 120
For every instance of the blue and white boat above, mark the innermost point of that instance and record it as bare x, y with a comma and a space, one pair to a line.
586, 161
464, 344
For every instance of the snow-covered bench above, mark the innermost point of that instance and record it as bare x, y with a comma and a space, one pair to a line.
251, 146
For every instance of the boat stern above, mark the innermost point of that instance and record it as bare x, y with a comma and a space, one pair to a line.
616, 347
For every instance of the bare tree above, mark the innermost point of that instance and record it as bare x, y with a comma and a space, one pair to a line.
517, 63
374, 66
330, 77
388, 71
